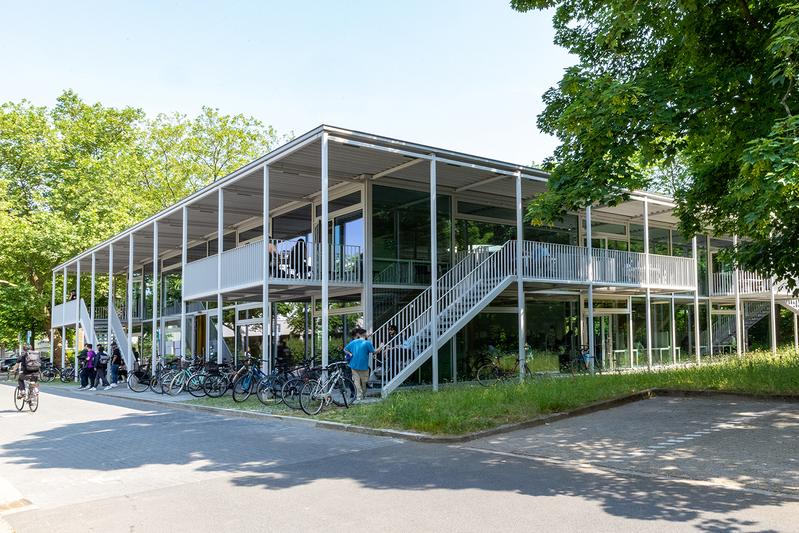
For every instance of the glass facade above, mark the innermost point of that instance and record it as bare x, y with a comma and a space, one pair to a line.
401, 236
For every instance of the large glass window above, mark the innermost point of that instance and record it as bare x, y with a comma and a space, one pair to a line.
401, 235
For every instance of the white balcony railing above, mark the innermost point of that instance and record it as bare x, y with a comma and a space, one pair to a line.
567, 263
290, 262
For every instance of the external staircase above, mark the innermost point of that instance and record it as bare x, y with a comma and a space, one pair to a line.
724, 327
462, 293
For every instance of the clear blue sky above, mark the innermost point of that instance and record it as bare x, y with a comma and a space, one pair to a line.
464, 75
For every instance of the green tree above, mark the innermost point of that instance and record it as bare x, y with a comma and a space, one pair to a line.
77, 173
692, 98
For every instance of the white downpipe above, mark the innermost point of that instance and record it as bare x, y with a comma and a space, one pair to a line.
367, 277
773, 321
156, 287
434, 269
184, 254
129, 299
220, 248
77, 307
519, 280
630, 333
52, 329
63, 324
589, 245
325, 259
673, 330
93, 288
697, 331
266, 325
111, 307
738, 315
795, 332
648, 290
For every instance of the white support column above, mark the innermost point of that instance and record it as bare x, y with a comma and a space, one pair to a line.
325, 259
77, 306
154, 341
92, 296
220, 248
77, 320
64, 327
184, 240
673, 331
630, 334
739, 322
648, 290
434, 270
696, 332
111, 309
519, 277
589, 245
710, 327
52, 330
266, 327
795, 332
773, 320
129, 303
454, 360
367, 298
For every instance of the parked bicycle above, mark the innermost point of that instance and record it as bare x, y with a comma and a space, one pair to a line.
335, 388
500, 369
581, 362
247, 379
67, 374
290, 393
30, 396
48, 372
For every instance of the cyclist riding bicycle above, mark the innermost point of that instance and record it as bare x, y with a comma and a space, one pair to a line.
29, 366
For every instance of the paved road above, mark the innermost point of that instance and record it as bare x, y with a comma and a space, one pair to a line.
116, 465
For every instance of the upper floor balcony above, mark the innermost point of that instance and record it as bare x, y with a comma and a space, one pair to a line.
290, 263
749, 284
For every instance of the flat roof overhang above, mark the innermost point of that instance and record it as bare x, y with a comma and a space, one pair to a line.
353, 157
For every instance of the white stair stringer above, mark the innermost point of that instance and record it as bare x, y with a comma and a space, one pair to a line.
463, 292
86, 323
121, 337
791, 305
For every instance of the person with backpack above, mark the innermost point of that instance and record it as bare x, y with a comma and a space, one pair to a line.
116, 363
101, 359
84, 356
30, 363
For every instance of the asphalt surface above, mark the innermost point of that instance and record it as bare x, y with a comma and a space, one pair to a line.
88, 464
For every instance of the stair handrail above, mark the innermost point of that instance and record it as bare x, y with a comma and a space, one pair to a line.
496, 267
424, 298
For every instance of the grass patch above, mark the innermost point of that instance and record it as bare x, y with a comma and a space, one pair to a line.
466, 408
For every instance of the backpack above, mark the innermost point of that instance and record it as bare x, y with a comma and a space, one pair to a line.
104, 357
33, 361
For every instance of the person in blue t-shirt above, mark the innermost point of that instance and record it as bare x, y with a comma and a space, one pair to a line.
358, 352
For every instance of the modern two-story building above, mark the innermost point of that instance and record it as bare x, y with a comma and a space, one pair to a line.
351, 228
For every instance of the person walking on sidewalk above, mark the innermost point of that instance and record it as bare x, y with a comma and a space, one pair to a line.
88, 371
101, 359
358, 352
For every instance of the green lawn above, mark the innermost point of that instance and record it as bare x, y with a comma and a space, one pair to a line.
465, 408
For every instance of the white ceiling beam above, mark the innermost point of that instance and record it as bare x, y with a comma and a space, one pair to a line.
397, 168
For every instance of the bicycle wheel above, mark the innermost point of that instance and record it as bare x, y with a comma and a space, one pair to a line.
19, 403
33, 401
48, 375
242, 388
311, 398
269, 390
155, 385
488, 374
215, 385
176, 384
164, 380
195, 385
138, 381
290, 393
343, 394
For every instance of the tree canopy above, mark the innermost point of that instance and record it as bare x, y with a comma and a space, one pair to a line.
697, 98
77, 173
